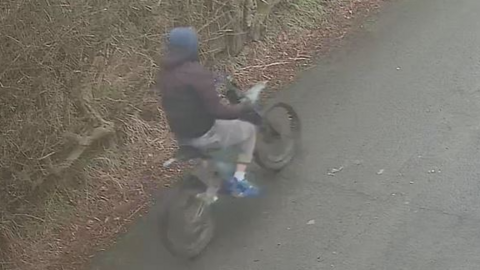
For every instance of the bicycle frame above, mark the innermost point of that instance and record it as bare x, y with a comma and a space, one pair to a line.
221, 165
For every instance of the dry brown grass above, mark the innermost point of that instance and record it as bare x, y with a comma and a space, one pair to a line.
55, 93
75, 105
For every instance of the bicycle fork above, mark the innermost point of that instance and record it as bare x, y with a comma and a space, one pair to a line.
211, 173
206, 173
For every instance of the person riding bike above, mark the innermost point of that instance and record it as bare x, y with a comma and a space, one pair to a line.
194, 110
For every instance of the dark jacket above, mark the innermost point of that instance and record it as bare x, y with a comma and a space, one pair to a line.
189, 98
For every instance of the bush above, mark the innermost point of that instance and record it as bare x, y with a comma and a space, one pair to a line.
76, 73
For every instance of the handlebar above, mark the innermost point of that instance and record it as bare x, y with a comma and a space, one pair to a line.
233, 93
253, 94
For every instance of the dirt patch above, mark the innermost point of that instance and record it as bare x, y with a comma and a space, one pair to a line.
104, 209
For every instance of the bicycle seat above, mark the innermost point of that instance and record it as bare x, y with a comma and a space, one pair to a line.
186, 152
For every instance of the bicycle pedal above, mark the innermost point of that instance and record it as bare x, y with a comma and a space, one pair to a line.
207, 198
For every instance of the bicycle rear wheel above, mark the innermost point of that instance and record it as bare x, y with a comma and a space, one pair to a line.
278, 138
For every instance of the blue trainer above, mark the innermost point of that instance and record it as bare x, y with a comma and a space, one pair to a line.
242, 189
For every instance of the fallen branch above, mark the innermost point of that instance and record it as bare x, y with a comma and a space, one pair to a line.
276, 63
83, 142
264, 66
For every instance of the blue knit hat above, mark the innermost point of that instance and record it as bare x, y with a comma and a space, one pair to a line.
184, 40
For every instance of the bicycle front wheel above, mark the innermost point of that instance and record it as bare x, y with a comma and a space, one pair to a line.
187, 225
278, 138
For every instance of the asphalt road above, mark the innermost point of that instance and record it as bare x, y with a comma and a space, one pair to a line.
399, 109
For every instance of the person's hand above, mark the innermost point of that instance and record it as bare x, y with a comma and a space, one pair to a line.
249, 113
247, 107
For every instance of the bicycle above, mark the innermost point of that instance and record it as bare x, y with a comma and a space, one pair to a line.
187, 225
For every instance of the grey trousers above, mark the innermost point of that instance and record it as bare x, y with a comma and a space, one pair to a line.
230, 133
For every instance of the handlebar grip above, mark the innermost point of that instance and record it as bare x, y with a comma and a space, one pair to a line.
233, 93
